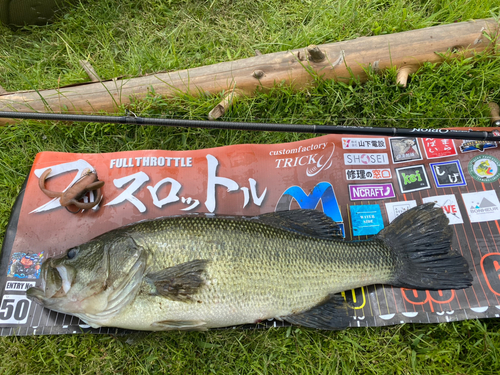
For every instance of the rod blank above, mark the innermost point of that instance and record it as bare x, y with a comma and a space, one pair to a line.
290, 128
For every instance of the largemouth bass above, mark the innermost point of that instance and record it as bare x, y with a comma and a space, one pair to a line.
199, 272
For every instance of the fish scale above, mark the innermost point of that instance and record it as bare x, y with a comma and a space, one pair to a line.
199, 272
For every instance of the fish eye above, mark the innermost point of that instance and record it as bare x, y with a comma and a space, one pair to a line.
72, 253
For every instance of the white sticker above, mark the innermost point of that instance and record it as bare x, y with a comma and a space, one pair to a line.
368, 174
14, 309
363, 143
482, 206
19, 285
394, 209
365, 159
449, 205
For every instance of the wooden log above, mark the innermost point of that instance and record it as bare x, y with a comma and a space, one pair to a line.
223, 106
340, 61
495, 113
89, 69
404, 72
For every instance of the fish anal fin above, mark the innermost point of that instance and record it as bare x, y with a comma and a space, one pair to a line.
304, 221
179, 282
333, 314
181, 325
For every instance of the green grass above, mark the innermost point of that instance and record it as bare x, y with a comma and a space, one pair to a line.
469, 347
132, 37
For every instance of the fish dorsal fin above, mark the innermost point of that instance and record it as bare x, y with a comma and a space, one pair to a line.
307, 222
333, 314
179, 282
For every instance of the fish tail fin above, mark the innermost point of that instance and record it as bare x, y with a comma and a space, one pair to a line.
421, 241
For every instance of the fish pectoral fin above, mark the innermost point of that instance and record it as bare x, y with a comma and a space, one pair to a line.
184, 325
179, 282
333, 314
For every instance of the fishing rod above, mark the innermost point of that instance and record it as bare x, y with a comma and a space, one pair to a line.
132, 119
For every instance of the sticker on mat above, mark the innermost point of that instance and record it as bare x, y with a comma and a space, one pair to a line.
468, 146
394, 209
412, 178
482, 206
449, 205
370, 192
448, 174
484, 168
365, 159
439, 148
19, 286
366, 219
368, 174
363, 143
25, 266
405, 149
14, 309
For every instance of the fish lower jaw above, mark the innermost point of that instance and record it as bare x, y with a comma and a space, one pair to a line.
36, 294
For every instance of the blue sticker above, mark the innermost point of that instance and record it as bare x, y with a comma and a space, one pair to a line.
366, 219
25, 265
322, 192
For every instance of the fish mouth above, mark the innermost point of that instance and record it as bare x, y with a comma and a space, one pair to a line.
56, 283
36, 294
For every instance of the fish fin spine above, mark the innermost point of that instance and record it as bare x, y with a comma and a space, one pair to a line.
305, 222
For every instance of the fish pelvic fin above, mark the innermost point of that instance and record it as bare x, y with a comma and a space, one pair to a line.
332, 314
179, 325
420, 239
179, 282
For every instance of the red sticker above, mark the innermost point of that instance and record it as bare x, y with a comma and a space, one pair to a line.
439, 148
